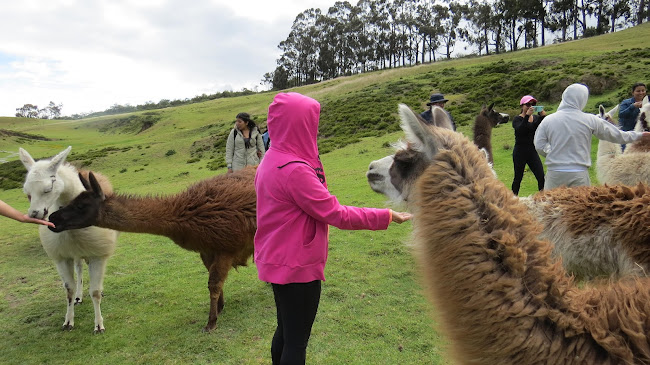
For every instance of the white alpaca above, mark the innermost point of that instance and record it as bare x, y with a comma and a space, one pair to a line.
627, 168
49, 185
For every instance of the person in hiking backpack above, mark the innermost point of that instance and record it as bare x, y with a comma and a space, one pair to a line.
294, 211
244, 146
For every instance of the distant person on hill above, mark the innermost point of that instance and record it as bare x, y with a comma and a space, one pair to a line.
294, 212
564, 137
10, 212
524, 153
628, 110
244, 146
436, 100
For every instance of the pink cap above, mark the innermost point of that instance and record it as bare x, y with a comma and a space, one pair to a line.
527, 99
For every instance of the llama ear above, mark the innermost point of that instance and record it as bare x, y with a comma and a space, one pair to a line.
416, 130
95, 186
84, 182
645, 100
441, 118
58, 160
601, 111
26, 158
491, 106
613, 111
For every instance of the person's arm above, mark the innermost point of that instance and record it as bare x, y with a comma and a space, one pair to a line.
627, 109
314, 199
605, 130
542, 145
10, 212
230, 149
261, 150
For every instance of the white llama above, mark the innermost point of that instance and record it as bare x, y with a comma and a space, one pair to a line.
49, 185
630, 167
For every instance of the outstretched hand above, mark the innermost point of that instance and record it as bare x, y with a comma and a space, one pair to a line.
28, 219
401, 217
646, 136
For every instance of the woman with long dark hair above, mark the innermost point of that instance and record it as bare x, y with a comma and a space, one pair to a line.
245, 146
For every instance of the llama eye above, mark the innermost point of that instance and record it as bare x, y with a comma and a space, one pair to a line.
29, 197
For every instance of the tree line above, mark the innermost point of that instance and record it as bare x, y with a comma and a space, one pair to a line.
379, 34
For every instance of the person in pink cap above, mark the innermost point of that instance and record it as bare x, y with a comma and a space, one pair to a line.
524, 153
294, 212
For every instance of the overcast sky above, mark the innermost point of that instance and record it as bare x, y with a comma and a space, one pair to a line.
91, 54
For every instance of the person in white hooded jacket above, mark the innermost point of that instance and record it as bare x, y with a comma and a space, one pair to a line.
564, 137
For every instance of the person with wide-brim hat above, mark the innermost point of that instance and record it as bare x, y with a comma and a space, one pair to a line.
438, 100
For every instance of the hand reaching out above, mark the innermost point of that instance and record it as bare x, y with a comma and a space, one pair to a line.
401, 217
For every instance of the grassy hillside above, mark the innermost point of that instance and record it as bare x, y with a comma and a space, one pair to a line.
372, 310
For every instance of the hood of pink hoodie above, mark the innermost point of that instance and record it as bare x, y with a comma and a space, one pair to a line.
293, 129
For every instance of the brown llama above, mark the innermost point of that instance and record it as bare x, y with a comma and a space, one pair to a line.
500, 297
487, 119
215, 217
592, 246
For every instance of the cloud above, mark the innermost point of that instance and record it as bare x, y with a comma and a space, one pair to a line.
91, 54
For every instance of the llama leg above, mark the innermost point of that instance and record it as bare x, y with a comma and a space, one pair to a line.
96, 270
65, 269
78, 269
218, 271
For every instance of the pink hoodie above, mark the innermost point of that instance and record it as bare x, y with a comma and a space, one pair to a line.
294, 207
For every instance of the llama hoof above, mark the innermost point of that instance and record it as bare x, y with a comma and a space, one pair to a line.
98, 330
209, 328
67, 327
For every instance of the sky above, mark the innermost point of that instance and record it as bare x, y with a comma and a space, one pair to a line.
91, 54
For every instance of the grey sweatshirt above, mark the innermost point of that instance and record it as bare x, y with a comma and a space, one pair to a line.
564, 137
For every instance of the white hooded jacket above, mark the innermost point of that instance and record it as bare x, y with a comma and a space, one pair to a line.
564, 137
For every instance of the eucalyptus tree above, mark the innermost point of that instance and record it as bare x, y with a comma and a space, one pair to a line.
480, 17
452, 31
430, 28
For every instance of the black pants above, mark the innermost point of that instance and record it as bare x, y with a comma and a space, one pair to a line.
296, 306
522, 156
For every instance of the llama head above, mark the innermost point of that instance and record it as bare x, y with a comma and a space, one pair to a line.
643, 120
608, 116
494, 117
395, 175
43, 185
83, 210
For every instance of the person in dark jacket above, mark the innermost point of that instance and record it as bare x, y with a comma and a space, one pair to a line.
628, 111
524, 153
436, 100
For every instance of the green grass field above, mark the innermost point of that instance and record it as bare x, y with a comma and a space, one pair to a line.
372, 309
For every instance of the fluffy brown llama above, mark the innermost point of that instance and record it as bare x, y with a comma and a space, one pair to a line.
590, 247
599, 231
500, 297
487, 119
215, 217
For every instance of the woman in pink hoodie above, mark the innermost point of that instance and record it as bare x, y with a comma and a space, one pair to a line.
294, 211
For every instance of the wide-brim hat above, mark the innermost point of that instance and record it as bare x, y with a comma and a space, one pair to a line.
437, 98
